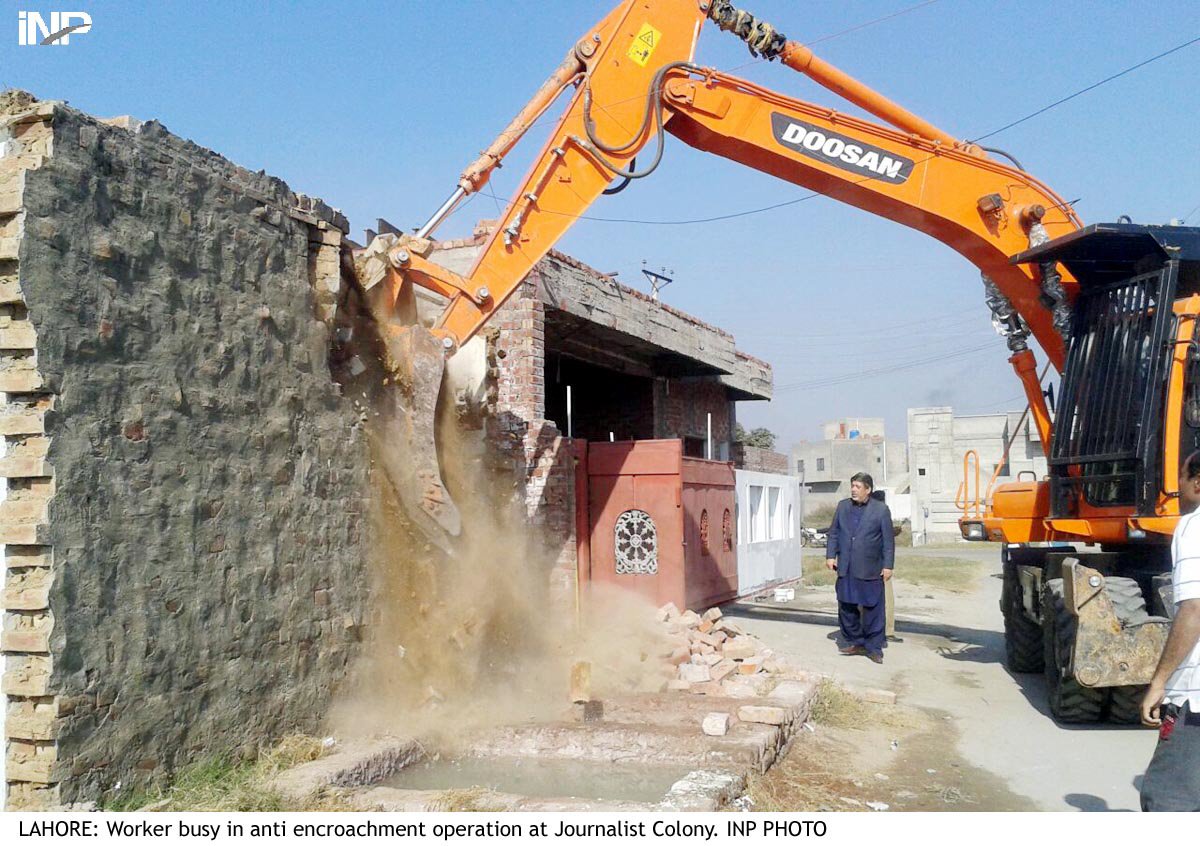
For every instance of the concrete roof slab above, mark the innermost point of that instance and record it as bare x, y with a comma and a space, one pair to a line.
593, 317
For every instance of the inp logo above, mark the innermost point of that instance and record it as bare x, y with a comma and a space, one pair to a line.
35, 30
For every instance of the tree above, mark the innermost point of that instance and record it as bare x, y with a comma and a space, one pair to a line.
760, 437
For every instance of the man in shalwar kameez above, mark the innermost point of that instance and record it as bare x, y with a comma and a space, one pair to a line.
862, 549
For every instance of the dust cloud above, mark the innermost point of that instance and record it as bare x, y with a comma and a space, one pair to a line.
478, 638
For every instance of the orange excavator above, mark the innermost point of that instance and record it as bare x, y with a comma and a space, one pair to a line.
1113, 306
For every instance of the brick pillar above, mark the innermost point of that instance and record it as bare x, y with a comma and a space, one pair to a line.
325, 268
531, 446
31, 708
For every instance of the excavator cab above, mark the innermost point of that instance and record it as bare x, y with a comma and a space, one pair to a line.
1122, 421
1128, 406
1128, 414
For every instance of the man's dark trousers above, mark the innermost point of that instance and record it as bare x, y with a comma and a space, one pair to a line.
1172, 781
865, 629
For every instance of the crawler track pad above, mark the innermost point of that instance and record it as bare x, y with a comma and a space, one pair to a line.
409, 455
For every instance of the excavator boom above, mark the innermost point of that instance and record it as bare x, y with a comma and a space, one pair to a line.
1128, 385
633, 80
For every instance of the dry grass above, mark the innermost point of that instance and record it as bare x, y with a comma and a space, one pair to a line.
802, 785
820, 517
223, 784
814, 571
835, 706
476, 799
813, 775
952, 574
823, 771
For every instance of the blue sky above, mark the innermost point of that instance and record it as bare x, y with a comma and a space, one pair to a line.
376, 107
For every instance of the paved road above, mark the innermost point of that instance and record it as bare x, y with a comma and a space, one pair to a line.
951, 658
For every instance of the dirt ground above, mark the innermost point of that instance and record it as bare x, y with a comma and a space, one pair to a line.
985, 732
871, 755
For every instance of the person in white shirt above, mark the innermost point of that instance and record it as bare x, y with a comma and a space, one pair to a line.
1172, 700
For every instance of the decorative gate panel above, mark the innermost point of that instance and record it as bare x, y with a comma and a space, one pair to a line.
646, 508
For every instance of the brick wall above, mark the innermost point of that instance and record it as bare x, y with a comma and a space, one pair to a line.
762, 460
185, 560
629, 401
682, 406
604, 401
533, 448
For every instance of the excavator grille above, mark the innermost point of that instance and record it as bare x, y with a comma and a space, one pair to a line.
1107, 436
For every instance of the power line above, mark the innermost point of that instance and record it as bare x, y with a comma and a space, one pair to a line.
895, 14
856, 28
989, 406
889, 329
815, 194
687, 222
829, 351
461, 207
840, 379
1194, 209
1091, 87
817, 357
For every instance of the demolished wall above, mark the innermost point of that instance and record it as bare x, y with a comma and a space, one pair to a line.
185, 524
566, 315
184, 541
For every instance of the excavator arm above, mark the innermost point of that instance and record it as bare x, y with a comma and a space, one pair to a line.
981, 208
631, 79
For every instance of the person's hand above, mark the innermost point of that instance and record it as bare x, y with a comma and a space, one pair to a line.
887, 574
1152, 704
831, 563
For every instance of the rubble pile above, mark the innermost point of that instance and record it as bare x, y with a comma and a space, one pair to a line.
715, 656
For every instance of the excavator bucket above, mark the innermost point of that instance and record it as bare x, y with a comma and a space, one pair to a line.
417, 364
415, 361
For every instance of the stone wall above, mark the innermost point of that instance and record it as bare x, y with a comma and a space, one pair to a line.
186, 485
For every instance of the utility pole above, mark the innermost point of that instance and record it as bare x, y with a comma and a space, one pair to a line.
658, 279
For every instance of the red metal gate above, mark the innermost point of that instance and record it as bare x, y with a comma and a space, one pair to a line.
655, 522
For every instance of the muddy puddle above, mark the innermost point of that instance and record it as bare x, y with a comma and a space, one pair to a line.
542, 778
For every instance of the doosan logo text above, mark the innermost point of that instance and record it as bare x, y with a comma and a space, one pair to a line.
840, 150
36, 30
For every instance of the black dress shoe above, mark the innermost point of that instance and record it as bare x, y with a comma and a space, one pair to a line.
877, 657
852, 650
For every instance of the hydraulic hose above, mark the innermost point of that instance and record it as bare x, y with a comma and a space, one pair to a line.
617, 189
1008, 156
654, 108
